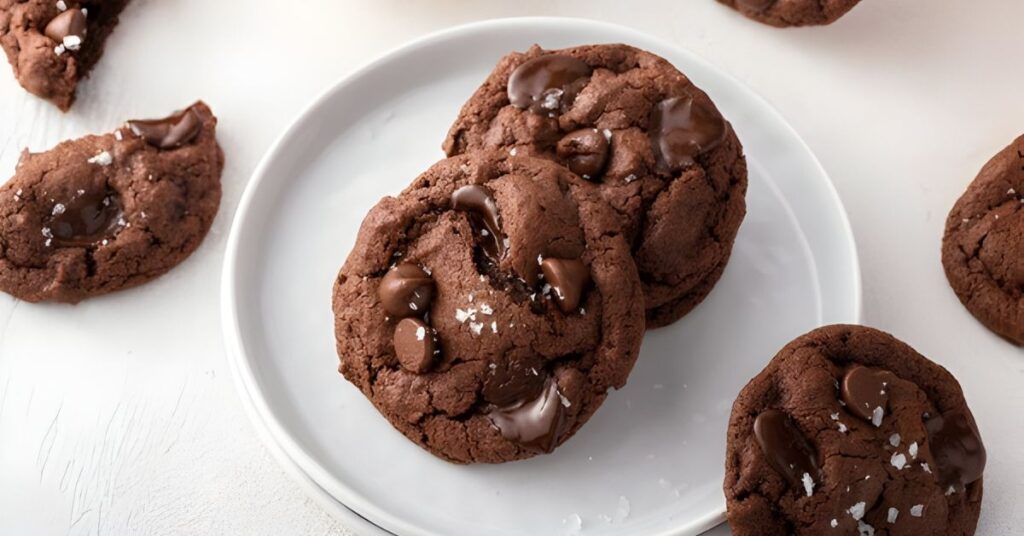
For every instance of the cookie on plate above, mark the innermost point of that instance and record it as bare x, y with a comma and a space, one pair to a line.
785, 13
649, 141
53, 44
488, 310
850, 431
983, 248
103, 213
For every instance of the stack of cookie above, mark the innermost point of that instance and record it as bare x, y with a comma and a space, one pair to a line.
489, 308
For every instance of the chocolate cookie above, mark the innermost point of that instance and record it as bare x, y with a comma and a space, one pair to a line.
488, 309
983, 248
103, 213
52, 44
850, 431
650, 142
785, 13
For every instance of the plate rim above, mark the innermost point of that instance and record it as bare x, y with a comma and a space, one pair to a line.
298, 464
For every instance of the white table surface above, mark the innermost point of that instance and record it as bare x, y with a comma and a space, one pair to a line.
120, 416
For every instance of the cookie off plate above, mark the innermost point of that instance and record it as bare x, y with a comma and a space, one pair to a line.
651, 461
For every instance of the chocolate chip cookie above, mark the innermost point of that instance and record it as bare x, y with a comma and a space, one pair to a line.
983, 248
850, 431
52, 44
785, 13
488, 310
650, 142
103, 213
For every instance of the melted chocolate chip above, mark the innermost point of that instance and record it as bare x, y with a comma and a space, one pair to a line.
785, 447
956, 447
864, 390
169, 132
415, 345
478, 202
86, 219
682, 128
69, 23
514, 382
584, 152
547, 84
406, 290
536, 424
568, 278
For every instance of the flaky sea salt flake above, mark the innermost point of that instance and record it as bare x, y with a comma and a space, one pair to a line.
565, 401
876, 416
898, 460
102, 159
857, 511
808, 484
892, 515
917, 510
72, 42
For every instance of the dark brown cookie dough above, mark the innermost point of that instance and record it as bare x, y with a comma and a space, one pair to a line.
52, 44
103, 213
650, 142
983, 248
514, 272
785, 13
850, 431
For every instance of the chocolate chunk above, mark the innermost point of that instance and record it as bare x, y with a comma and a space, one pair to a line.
86, 219
866, 390
479, 203
957, 449
584, 152
514, 381
682, 128
415, 345
536, 424
547, 84
785, 447
406, 290
169, 132
568, 278
70, 23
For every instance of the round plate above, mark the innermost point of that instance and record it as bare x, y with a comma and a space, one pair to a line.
650, 462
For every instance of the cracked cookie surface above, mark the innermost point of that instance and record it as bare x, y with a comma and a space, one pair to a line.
785, 13
983, 246
850, 431
107, 212
52, 45
488, 309
651, 143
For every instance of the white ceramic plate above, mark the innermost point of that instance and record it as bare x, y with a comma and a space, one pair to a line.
650, 462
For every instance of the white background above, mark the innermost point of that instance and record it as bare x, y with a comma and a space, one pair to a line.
119, 415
